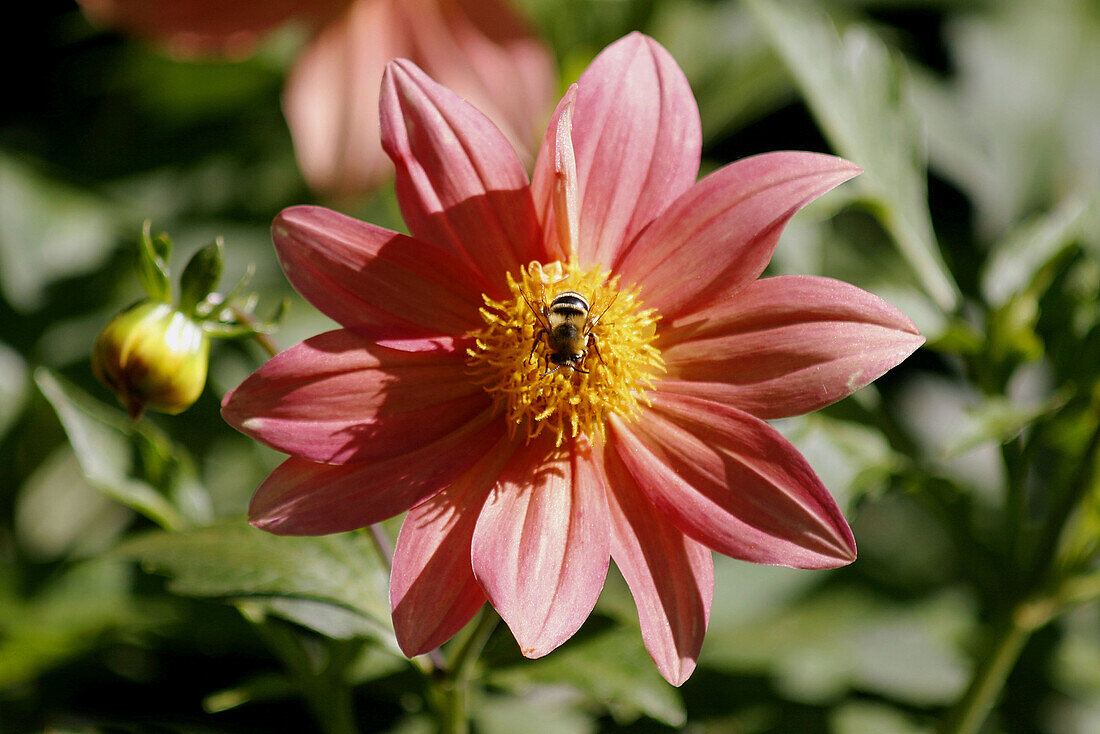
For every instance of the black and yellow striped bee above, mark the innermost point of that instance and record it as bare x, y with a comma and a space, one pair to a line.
566, 329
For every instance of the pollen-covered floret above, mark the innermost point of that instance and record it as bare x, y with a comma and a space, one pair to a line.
516, 365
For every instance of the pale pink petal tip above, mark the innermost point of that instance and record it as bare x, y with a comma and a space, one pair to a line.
786, 346
433, 593
733, 483
459, 184
637, 141
670, 576
541, 546
719, 236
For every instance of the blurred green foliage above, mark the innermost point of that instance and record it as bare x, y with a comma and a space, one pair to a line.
133, 597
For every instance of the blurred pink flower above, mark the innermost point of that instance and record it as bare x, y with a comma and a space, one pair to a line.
521, 482
482, 49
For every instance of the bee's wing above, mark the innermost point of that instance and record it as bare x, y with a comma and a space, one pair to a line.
539, 315
593, 321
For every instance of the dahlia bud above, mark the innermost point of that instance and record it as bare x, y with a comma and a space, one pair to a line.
155, 353
152, 356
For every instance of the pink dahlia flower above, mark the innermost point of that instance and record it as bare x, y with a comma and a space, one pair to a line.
482, 49
528, 454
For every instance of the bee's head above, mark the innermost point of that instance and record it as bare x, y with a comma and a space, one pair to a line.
565, 359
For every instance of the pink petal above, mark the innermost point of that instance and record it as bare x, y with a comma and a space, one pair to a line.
719, 236
459, 183
305, 498
363, 275
505, 72
541, 545
786, 346
331, 99
554, 187
731, 482
637, 139
433, 592
481, 50
670, 575
339, 397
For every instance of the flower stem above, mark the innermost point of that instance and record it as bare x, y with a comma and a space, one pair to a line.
382, 545
453, 687
266, 342
970, 712
1076, 490
968, 715
384, 548
472, 646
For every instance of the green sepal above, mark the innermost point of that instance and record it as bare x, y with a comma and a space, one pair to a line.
201, 276
238, 328
153, 264
245, 279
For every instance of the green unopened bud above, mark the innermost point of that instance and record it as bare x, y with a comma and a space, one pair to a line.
152, 356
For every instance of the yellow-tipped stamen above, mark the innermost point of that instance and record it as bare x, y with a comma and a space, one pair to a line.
621, 362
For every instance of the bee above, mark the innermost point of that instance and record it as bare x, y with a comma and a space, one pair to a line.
566, 329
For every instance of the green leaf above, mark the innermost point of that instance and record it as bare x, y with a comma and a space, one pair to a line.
236, 325
843, 639
264, 687
64, 620
860, 717
734, 73
1020, 256
201, 275
858, 92
49, 230
325, 617
924, 405
103, 439
850, 458
544, 711
612, 667
295, 577
153, 264
58, 513
1014, 127
998, 420
14, 385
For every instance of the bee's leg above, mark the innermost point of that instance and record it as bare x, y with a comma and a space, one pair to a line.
535, 344
596, 348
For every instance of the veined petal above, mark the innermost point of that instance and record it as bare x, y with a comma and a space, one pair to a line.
433, 593
340, 397
507, 72
719, 236
637, 139
732, 482
554, 186
459, 182
363, 275
541, 545
786, 346
480, 49
306, 498
670, 575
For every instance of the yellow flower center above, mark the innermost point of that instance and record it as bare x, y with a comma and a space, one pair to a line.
566, 351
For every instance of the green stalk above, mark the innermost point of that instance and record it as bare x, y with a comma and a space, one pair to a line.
450, 688
1047, 548
971, 711
968, 715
